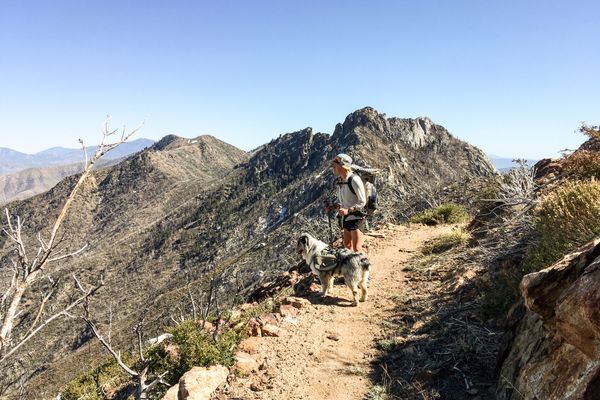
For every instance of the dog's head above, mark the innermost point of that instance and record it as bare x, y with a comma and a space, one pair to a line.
304, 244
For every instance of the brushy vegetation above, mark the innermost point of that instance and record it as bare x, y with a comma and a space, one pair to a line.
443, 214
593, 132
194, 348
583, 164
499, 293
445, 242
568, 218
190, 346
97, 383
378, 392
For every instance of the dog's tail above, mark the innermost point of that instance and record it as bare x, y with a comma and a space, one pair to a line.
345, 255
364, 262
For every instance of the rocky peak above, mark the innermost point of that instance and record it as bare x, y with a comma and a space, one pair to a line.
366, 118
367, 125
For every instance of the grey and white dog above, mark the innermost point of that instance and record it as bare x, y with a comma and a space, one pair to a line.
328, 263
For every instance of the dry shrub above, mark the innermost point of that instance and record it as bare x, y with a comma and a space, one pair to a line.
443, 214
582, 164
568, 218
593, 132
446, 242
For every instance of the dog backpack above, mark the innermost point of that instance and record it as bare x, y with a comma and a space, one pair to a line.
368, 177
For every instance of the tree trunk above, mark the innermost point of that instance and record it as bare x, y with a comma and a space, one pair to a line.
9, 318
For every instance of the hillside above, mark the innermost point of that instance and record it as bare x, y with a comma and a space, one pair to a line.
28, 182
194, 210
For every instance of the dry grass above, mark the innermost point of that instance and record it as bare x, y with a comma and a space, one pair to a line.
566, 219
436, 329
582, 164
443, 214
445, 242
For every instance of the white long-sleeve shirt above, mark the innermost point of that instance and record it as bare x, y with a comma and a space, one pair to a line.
349, 199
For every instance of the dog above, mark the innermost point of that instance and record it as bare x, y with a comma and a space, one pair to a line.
328, 263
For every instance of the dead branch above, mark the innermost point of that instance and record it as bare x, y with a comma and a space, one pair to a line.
27, 272
139, 377
194, 311
64, 312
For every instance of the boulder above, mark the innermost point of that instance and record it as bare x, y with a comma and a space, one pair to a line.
171, 393
552, 346
245, 364
159, 339
250, 345
287, 310
297, 302
269, 318
254, 327
199, 383
271, 330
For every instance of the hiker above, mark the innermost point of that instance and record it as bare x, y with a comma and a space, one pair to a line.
351, 202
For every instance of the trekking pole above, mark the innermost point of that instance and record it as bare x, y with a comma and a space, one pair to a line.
330, 230
327, 210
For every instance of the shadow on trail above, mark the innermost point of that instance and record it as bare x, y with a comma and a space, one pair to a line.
316, 298
436, 346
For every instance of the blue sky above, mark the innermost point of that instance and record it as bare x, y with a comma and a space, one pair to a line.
514, 78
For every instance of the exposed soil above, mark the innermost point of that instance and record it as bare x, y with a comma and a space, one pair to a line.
328, 351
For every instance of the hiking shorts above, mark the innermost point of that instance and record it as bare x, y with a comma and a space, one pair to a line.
354, 224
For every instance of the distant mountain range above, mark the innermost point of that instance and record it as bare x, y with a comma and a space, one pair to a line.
14, 161
25, 175
505, 163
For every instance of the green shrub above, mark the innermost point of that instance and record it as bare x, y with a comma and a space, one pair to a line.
94, 384
568, 218
195, 348
446, 241
443, 214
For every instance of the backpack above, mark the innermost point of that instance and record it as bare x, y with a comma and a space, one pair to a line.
368, 178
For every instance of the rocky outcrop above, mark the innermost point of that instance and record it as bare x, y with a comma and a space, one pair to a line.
552, 347
417, 157
199, 383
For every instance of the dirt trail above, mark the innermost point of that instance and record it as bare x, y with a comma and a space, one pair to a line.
324, 353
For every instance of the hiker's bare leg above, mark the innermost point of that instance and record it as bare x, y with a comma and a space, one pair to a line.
358, 239
347, 239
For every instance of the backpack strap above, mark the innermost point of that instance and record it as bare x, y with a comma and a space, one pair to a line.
349, 183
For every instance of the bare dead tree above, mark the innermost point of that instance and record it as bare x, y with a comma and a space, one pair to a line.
28, 271
140, 376
518, 187
511, 209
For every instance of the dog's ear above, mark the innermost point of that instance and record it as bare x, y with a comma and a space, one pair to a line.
303, 240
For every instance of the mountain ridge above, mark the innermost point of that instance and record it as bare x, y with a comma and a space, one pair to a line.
164, 216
